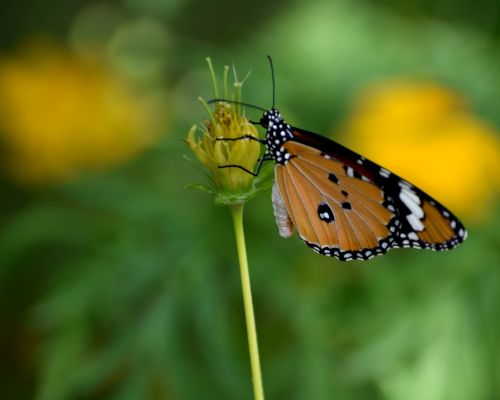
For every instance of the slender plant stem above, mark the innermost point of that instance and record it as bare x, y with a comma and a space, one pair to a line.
237, 214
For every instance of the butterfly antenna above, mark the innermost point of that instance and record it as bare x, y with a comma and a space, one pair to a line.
272, 77
235, 102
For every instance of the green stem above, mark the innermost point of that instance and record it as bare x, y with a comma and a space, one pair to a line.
237, 214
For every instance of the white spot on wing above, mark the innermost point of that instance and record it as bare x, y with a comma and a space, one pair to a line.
411, 200
404, 185
412, 236
384, 173
415, 223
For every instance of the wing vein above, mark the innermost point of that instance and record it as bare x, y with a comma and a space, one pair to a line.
355, 234
307, 176
350, 186
361, 194
286, 175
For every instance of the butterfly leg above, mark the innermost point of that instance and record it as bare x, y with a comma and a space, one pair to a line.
265, 157
250, 137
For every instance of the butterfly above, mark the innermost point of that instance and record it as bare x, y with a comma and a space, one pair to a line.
342, 204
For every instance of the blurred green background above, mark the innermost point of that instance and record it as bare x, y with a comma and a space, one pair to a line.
117, 283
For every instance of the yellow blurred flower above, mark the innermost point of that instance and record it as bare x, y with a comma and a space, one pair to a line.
425, 133
60, 115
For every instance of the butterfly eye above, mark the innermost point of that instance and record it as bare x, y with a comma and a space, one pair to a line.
265, 120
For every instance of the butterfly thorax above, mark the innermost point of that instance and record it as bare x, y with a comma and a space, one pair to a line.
278, 133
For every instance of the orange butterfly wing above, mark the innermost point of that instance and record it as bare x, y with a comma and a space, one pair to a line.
339, 211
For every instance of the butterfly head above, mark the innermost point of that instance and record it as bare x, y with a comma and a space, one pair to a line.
270, 118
